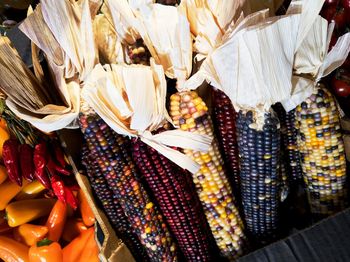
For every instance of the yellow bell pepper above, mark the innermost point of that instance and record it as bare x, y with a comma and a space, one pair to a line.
24, 211
8, 191
30, 191
13, 251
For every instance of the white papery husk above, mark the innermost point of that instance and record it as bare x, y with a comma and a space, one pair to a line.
166, 33
254, 66
313, 61
30, 100
121, 14
209, 20
109, 47
131, 100
68, 26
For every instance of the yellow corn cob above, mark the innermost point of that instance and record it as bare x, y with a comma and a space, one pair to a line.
189, 112
322, 149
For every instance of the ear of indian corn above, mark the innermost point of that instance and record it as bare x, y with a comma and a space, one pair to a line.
224, 118
111, 206
289, 140
174, 190
322, 149
114, 159
260, 175
189, 112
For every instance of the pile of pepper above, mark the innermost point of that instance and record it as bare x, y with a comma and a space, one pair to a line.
44, 216
45, 229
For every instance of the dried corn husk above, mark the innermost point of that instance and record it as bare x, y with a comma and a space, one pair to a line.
109, 47
254, 66
94, 6
209, 20
68, 27
121, 14
38, 31
114, 92
166, 33
312, 61
29, 100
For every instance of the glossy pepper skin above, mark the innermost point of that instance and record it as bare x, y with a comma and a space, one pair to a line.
40, 161
90, 252
46, 251
26, 161
8, 191
58, 187
13, 251
21, 212
30, 191
29, 234
53, 168
73, 228
85, 210
10, 155
74, 250
56, 221
70, 198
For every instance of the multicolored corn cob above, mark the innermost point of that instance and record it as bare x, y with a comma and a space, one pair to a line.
260, 175
322, 149
113, 155
289, 140
138, 53
224, 118
189, 112
111, 206
174, 190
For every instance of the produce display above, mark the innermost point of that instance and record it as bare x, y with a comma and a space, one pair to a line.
44, 214
202, 125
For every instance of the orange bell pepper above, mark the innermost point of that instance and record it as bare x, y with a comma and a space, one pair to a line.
90, 252
13, 251
85, 210
73, 228
56, 221
3, 174
29, 234
23, 211
8, 191
30, 191
74, 250
45, 251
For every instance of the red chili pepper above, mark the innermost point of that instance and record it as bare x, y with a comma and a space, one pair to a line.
58, 187
40, 162
70, 198
59, 155
53, 167
26, 161
62, 170
10, 155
